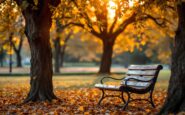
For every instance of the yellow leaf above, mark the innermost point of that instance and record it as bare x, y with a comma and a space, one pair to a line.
62, 42
148, 110
86, 113
81, 108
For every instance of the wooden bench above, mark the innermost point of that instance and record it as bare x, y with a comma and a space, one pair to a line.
140, 79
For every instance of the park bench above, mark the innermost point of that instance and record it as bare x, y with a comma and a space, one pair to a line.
140, 79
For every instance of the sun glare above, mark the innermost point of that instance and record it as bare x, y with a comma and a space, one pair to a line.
112, 6
111, 9
131, 3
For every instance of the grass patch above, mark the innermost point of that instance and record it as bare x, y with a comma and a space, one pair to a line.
75, 81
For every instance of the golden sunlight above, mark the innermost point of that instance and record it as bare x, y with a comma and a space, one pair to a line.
131, 3
112, 6
111, 9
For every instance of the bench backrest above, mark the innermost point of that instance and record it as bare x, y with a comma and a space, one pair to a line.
147, 72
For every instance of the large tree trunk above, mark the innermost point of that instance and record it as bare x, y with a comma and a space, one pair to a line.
106, 59
38, 23
175, 101
57, 54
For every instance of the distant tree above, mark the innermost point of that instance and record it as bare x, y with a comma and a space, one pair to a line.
12, 23
18, 39
108, 19
60, 43
18, 49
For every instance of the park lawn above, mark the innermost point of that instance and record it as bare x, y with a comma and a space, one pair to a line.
75, 81
77, 97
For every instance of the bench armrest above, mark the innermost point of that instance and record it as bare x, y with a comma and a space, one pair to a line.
111, 78
141, 79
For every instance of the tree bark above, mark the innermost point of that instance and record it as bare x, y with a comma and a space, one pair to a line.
57, 54
175, 101
106, 59
38, 23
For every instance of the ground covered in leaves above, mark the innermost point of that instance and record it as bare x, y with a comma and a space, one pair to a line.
78, 96
74, 101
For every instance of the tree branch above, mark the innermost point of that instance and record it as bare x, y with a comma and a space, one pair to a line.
115, 18
158, 21
14, 47
89, 22
125, 23
21, 42
102, 18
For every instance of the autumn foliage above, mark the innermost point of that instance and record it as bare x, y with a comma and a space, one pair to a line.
75, 101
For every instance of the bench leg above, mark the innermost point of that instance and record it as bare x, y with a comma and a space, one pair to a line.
151, 99
122, 97
102, 97
126, 104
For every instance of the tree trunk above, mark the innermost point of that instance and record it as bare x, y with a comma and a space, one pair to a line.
1, 61
62, 53
38, 23
175, 101
63, 48
57, 55
18, 51
19, 59
1, 56
10, 57
106, 59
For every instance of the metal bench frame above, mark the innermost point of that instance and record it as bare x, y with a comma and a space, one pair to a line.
126, 88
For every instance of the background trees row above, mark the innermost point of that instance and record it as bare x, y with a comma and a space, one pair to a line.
69, 15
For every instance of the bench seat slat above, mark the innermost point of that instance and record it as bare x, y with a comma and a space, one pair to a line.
144, 67
108, 87
142, 73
